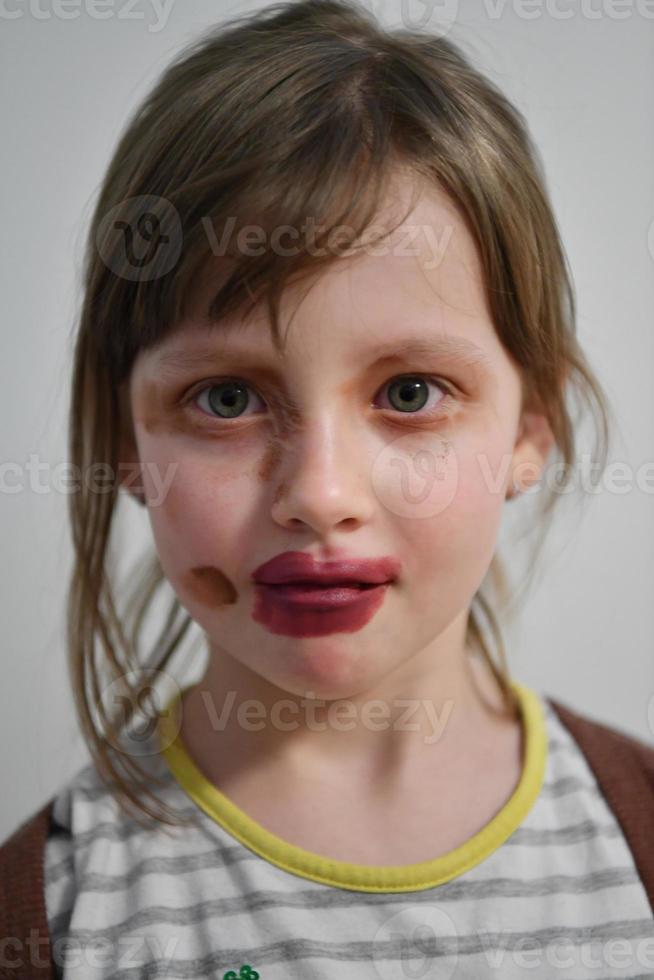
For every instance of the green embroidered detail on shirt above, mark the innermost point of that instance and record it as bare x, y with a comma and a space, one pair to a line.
245, 973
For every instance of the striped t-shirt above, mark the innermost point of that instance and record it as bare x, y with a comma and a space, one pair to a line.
547, 889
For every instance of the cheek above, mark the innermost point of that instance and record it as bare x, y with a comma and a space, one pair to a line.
450, 508
426, 476
200, 522
481, 480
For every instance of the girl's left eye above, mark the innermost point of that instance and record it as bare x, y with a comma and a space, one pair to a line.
408, 394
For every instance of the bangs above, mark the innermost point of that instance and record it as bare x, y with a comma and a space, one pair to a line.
246, 226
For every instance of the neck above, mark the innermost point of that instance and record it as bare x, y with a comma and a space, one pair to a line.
444, 701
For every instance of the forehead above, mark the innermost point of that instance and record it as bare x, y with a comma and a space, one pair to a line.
422, 278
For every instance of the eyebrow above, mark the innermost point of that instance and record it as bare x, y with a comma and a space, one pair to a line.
459, 350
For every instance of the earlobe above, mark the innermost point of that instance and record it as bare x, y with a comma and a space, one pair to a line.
536, 428
533, 445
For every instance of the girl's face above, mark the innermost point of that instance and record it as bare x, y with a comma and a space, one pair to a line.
388, 428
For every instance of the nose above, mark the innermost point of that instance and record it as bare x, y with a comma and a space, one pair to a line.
323, 479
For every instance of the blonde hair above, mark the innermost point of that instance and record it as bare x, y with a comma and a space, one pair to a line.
302, 108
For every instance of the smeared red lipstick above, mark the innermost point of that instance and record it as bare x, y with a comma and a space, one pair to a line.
299, 596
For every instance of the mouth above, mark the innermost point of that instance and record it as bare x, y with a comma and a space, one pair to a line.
297, 595
316, 586
321, 598
300, 568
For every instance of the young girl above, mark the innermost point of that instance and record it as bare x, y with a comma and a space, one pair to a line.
328, 331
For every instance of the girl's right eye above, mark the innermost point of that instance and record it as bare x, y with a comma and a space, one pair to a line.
226, 399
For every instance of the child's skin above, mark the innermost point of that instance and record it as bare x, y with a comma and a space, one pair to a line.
320, 475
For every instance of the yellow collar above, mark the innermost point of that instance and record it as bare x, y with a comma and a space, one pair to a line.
361, 877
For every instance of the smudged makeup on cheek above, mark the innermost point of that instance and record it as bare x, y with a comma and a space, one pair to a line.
209, 586
270, 460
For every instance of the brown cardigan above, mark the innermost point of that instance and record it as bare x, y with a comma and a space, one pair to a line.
623, 767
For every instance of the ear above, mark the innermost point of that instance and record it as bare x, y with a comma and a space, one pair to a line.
130, 478
533, 445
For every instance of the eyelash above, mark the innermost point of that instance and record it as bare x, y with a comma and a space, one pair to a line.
443, 411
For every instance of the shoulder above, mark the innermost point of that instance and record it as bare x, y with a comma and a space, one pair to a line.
79, 812
605, 745
623, 766
38, 878
44, 861
22, 907
23, 854
24, 844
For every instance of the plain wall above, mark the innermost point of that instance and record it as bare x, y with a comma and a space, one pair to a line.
586, 85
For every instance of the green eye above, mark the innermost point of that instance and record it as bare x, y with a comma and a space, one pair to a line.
227, 399
410, 393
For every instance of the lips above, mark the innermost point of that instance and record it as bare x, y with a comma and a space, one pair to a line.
299, 596
299, 568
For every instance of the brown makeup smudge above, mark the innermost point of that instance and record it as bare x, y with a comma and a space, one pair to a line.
210, 586
270, 460
279, 493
